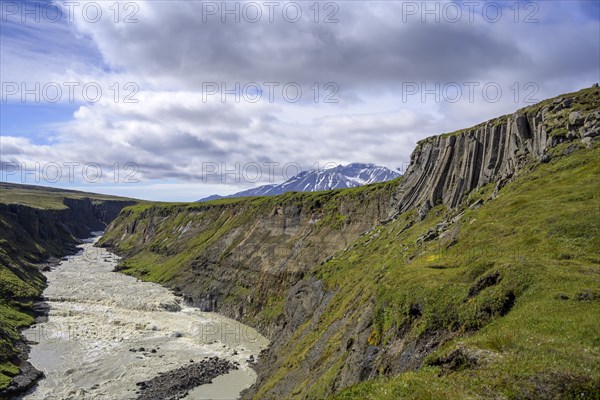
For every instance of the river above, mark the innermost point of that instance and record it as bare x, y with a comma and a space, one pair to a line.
89, 346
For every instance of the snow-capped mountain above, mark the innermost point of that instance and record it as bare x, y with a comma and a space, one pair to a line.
340, 177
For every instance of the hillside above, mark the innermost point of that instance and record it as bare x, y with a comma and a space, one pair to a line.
502, 303
473, 276
38, 225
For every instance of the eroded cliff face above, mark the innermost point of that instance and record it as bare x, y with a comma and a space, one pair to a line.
38, 234
445, 169
239, 258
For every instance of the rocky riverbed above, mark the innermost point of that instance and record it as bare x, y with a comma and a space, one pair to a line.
177, 383
106, 331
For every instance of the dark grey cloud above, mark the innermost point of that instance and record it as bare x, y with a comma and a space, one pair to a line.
364, 48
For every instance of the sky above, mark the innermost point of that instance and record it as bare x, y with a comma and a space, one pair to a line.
178, 100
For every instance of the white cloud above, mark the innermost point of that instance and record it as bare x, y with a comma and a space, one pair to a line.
173, 131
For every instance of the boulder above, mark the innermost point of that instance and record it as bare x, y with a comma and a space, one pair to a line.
575, 119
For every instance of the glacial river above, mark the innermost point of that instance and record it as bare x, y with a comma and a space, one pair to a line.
97, 317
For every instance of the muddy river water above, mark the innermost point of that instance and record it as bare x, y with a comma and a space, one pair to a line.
90, 347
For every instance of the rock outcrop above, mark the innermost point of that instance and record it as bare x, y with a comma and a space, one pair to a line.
445, 169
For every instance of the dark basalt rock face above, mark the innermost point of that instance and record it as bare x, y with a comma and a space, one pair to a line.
54, 229
445, 169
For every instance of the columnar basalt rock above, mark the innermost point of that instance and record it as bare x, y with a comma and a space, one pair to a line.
445, 169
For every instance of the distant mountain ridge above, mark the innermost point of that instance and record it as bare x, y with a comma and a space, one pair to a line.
340, 177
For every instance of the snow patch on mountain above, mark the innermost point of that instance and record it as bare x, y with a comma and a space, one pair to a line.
340, 177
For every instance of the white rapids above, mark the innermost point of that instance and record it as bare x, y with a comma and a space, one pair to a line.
97, 316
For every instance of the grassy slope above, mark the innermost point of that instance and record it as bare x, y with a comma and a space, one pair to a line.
541, 236
20, 280
45, 197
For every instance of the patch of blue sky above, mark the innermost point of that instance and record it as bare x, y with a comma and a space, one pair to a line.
34, 121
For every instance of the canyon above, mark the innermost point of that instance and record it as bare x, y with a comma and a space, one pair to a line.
473, 275
405, 277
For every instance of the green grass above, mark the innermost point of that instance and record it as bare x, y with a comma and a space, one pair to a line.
541, 236
44, 197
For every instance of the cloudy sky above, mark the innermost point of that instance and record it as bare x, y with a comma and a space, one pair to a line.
177, 100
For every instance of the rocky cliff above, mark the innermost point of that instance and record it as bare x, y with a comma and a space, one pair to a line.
54, 229
31, 238
445, 169
429, 286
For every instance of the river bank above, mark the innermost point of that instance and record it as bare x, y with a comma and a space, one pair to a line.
106, 332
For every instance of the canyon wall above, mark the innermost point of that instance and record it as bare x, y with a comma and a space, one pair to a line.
239, 257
